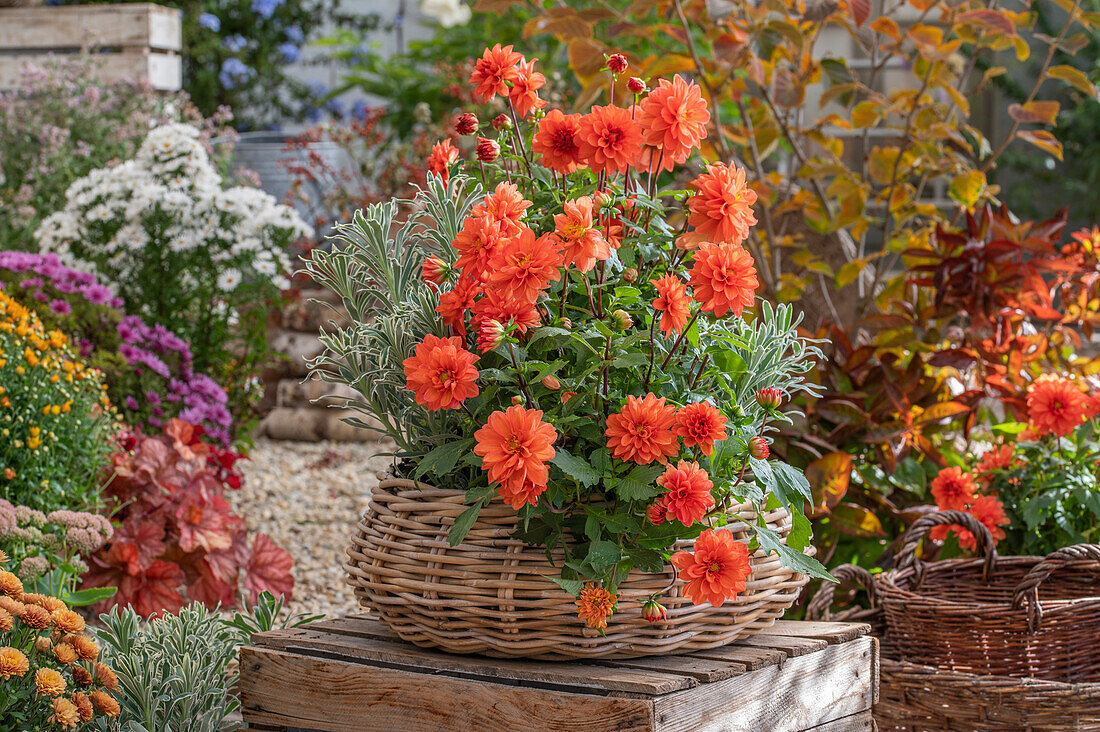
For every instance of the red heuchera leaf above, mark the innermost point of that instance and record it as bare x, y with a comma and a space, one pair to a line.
203, 520
185, 440
210, 589
268, 569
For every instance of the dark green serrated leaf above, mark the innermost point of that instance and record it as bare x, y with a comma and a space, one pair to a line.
637, 485
602, 554
575, 468
796, 560
442, 459
463, 524
573, 587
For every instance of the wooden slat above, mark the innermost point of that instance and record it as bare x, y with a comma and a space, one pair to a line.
563, 676
705, 670
793, 647
832, 633
130, 25
282, 689
751, 658
860, 722
805, 691
163, 71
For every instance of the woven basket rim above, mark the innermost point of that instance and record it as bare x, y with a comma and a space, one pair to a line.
1030, 683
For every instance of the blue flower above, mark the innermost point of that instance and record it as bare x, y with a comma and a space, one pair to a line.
313, 115
265, 8
289, 52
335, 107
360, 109
294, 34
234, 43
234, 72
317, 89
210, 22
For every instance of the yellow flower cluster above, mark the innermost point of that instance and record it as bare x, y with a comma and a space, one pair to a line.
43, 646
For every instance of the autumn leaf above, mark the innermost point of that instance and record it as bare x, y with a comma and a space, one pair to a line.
860, 10
829, 477
992, 20
856, 521
866, 114
1042, 140
789, 91
966, 188
1074, 77
1044, 112
886, 26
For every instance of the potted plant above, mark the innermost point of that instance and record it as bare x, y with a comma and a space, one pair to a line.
580, 384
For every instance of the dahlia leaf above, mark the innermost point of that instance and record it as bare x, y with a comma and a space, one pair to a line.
442, 459
638, 483
575, 468
603, 554
463, 524
573, 587
770, 542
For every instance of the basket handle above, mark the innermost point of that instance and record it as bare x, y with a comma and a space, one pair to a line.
818, 607
1027, 592
907, 554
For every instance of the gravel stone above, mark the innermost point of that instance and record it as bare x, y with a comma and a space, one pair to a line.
308, 496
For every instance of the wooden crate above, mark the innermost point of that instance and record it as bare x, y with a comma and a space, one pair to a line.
134, 41
353, 674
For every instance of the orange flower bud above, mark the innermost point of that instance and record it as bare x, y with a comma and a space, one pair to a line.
758, 448
551, 383
653, 611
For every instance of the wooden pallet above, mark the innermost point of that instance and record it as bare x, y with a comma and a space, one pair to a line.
353, 674
131, 41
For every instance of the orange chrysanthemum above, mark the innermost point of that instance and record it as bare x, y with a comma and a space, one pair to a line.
454, 303
717, 570
1056, 405
674, 119
10, 585
476, 243
65, 713
105, 703
642, 431
443, 155
524, 266
494, 71
497, 306
64, 653
106, 677
701, 424
12, 663
673, 303
83, 706
515, 446
953, 489
66, 620
723, 278
584, 243
688, 498
556, 141
36, 617
85, 647
609, 140
506, 206
525, 88
595, 605
442, 373
49, 682
81, 675
720, 208
7, 620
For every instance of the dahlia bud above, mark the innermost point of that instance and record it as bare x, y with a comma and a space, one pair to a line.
567, 395
43, 644
617, 63
517, 400
758, 447
467, 123
630, 275
501, 122
434, 270
769, 398
656, 512
551, 383
9, 474
635, 85
653, 611
489, 335
487, 150
566, 323
622, 320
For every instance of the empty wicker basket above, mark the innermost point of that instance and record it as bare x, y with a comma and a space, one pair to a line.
491, 593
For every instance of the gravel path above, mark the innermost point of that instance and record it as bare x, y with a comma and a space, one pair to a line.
308, 497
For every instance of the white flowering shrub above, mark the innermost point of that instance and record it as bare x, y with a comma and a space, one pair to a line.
181, 249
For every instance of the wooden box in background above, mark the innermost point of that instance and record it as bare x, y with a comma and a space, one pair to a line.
136, 41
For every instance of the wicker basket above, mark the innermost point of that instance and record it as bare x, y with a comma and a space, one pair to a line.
918, 698
1017, 616
491, 594
820, 605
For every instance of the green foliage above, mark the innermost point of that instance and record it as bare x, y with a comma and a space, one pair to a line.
265, 616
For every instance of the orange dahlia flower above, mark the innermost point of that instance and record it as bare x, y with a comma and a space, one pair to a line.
584, 243
442, 373
595, 605
519, 495
720, 208
442, 157
688, 498
506, 206
12, 663
525, 89
657, 512
674, 119
514, 446
717, 570
642, 431
953, 489
493, 72
1056, 405
673, 302
997, 459
986, 509
556, 142
701, 424
454, 304
524, 266
495, 305
723, 278
609, 140
476, 243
